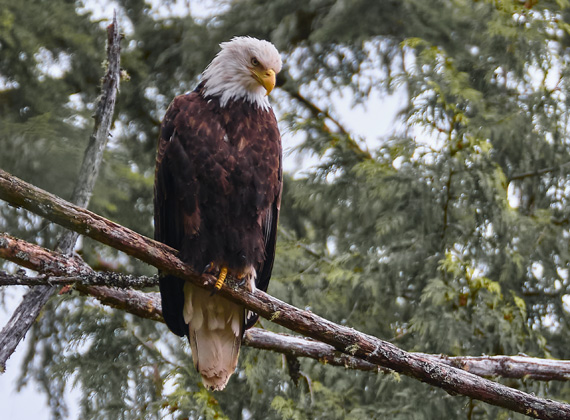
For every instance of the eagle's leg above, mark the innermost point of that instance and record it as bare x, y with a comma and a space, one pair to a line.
221, 278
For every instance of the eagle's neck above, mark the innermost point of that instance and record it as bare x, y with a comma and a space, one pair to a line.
232, 84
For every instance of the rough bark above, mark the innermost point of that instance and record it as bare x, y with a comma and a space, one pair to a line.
513, 367
147, 305
34, 257
111, 279
343, 339
516, 367
26, 313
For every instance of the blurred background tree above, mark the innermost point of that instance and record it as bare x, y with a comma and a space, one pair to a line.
447, 235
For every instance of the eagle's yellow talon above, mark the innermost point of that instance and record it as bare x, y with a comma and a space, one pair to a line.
221, 278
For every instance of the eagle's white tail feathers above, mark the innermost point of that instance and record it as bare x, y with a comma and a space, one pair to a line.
215, 330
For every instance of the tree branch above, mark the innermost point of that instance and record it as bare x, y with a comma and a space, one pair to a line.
34, 257
343, 339
26, 313
514, 367
111, 279
538, 172
93, 156
289, 87
147, 305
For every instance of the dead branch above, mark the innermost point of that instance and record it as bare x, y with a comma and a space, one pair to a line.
147, 305
111, 279
34, 257
296, 346
343, 339
26, 313
321, 114
93, 156
514, 367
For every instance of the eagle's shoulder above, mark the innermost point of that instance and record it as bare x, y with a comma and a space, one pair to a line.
188, 101
192, 119
184, 108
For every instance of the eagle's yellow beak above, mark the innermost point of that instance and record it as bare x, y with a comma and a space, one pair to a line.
265, 78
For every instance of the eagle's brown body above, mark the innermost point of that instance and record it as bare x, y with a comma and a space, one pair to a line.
217, 196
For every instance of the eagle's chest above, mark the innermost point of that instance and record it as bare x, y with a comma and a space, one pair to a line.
252, 153
252, 171
238, 159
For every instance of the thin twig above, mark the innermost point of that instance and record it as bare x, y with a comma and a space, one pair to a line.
304, 246
538, 172
446, 206
149, 345
319, 113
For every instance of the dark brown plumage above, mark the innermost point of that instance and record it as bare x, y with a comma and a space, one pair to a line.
217, 196
217, 191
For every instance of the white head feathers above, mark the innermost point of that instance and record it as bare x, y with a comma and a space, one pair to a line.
232, 73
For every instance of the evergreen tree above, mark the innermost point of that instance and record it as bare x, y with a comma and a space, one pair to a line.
448, 236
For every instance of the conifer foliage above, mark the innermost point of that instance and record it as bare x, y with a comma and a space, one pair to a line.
447, 235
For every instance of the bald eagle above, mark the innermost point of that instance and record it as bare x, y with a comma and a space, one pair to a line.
217, 194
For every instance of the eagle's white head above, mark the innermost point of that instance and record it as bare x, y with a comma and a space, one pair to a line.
245, 68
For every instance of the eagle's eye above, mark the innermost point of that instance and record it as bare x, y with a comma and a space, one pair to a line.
255, 62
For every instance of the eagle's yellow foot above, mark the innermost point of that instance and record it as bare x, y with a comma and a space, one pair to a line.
221, 278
